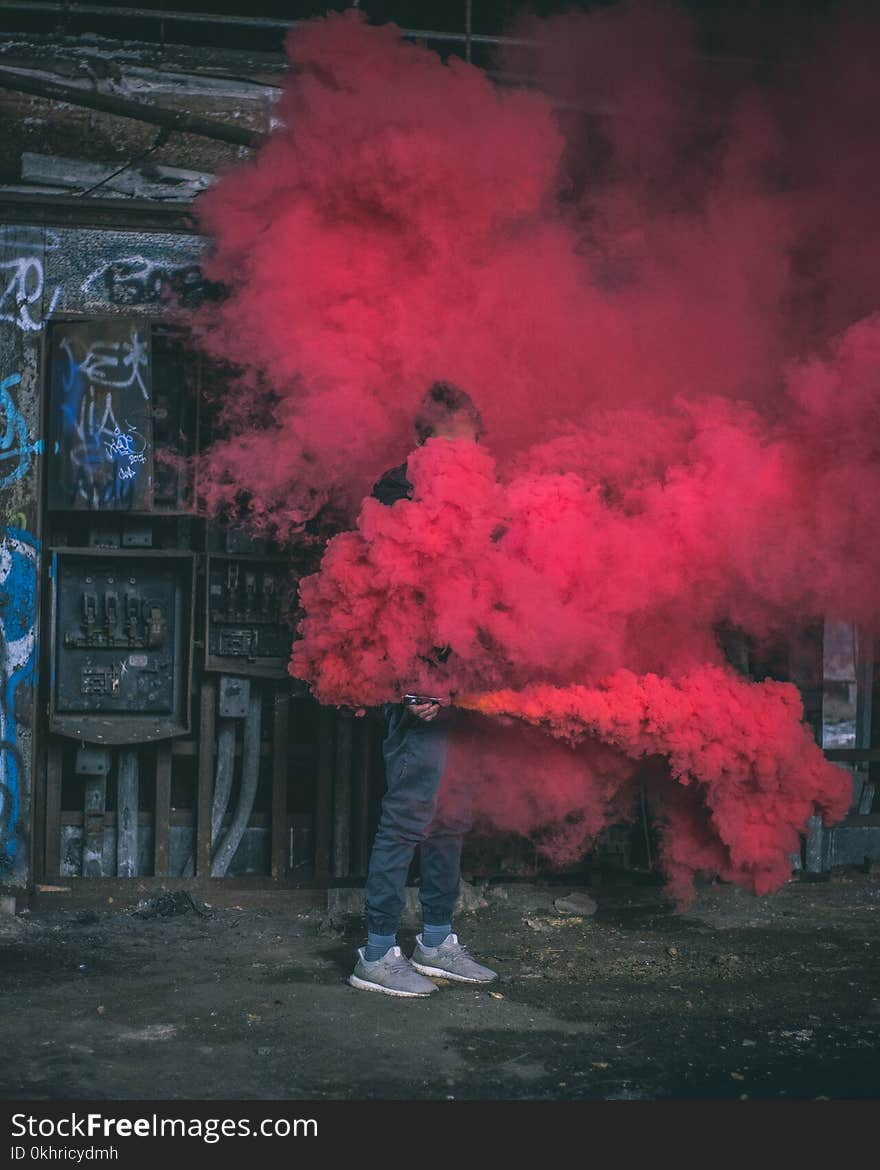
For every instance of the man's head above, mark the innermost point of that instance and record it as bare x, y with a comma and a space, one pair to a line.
447, 413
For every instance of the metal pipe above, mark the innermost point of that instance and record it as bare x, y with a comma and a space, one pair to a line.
200, 857
125, 108
250, 774
223, 779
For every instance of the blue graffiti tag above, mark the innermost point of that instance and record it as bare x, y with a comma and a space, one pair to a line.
18, 587
15, 441
106, 456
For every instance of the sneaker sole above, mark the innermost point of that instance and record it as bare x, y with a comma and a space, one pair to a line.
439, 973
365, 985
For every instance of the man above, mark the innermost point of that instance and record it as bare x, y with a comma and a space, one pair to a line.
415, 750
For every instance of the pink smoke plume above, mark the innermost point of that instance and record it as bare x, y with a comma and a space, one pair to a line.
632, 271
754, 769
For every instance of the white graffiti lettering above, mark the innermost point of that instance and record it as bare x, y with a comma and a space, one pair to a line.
121, 444
24, 291
117, 364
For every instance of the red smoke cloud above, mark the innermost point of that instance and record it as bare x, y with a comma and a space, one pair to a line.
539, 581
753, 769
643, 296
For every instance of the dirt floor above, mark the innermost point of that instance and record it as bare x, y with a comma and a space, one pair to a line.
738, 997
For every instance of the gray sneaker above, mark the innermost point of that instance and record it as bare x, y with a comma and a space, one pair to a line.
450, 961
392, 975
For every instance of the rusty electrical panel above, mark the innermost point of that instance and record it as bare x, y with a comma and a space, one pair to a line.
123, 411
120, 638
246, 631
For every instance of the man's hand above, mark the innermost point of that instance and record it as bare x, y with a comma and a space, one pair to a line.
426, 711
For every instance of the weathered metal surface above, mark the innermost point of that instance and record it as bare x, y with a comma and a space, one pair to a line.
225, 771
235, 694
162, 811
94, 809
121, 645
127, 814
245, 630
226, 848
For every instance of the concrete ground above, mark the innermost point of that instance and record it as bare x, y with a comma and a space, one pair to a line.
738, 997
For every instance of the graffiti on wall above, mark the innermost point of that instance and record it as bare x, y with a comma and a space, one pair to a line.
136, 280
112, 363
23, 280
17, 449
18, 588
100, 421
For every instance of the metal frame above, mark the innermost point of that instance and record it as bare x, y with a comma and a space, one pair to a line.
130, 728
270, 668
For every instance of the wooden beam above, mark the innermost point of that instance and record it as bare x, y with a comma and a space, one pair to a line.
162, 812
852, 755
70, 893
324, 794
127, 786
280, 766
52, 848
205, 796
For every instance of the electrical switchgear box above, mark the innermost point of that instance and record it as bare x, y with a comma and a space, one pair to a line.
248, 630
121, 644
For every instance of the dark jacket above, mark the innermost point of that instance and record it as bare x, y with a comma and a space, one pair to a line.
393, 486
